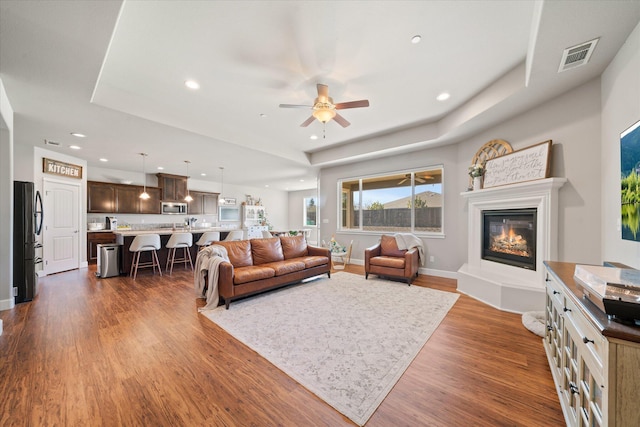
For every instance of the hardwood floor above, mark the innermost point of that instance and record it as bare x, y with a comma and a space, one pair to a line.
92, 352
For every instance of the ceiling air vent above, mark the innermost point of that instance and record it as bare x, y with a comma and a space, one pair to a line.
48, 142
577, 56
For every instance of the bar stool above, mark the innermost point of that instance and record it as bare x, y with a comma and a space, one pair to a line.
176, 241
143, 243
234, 235
207, 238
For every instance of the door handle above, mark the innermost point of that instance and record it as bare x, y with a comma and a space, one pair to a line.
75, 231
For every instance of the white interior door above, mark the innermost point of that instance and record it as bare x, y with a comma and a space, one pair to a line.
61, 227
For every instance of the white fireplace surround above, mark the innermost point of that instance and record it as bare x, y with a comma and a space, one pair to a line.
504, 286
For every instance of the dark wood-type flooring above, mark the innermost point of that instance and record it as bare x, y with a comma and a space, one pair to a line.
114, 352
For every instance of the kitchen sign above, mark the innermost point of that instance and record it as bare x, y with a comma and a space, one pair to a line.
61, 168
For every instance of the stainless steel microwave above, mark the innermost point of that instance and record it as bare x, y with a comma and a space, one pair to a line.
174, 208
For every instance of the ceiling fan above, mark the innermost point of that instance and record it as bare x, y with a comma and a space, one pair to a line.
324, 109
419, 179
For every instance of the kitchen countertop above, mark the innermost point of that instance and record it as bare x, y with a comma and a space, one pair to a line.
162, 231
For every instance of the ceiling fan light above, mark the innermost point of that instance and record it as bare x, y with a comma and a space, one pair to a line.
145, 196
324, 114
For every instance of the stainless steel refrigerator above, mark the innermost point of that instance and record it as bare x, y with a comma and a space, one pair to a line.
27, 223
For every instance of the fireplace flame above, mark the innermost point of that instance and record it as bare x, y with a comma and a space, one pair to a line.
509, 242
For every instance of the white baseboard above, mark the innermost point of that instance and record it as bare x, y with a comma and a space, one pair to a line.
7, 304
0, 326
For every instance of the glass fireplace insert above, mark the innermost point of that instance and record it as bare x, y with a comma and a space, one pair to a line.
509, 237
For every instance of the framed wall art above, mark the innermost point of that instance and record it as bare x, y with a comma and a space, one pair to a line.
527, 164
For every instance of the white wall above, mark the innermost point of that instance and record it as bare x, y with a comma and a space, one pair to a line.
444, 250
572, 122
6, 208
620, 109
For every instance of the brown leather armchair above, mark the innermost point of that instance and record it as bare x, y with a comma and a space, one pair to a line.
385, 259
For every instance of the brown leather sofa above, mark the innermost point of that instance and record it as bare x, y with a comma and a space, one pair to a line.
385, 259
259, 265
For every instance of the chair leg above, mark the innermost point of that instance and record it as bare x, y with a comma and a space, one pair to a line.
137, 260
366, 275
188, 251
155, 254
133, 262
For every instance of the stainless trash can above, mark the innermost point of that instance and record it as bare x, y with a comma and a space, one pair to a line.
108, 260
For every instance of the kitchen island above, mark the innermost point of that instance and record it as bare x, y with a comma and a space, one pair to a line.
125, 237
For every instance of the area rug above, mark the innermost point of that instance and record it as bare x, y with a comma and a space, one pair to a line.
346, 339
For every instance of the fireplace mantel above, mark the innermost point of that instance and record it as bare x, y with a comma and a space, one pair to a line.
503, 286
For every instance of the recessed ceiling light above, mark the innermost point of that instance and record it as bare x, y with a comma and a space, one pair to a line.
104, 160
266, 185
74, 147
416, 39
302, 180
160, 168
192, 84
78, 135
443, 96
203, 174
314, 137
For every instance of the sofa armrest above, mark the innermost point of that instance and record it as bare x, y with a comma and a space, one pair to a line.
369, 253
411, 262
225, 279
318, 251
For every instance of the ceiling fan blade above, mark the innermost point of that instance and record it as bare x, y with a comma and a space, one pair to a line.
295, 106
307, 122
420, 180
403, 181
323, 91
352, 104
341, 120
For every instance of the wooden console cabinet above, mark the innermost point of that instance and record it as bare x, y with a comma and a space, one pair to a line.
595, 361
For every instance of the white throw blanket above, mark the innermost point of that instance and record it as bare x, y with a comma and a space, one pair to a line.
410, 241
208, 262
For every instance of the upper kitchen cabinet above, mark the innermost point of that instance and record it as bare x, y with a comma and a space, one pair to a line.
101, 197
107, 197
152, 204
174, 187
203, 203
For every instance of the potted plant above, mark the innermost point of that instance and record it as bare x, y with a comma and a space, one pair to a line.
476, 172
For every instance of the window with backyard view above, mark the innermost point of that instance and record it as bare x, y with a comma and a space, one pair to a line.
309, 212
401, 202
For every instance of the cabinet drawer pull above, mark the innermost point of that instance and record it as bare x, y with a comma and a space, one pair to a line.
549, 328
555, 292
573, 388
566, 309
587, 340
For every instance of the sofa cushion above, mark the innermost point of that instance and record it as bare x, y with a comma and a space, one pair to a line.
387, 261
266, 250
251, 273
294, 246
239, 252
314, 260
389, 247
285, 267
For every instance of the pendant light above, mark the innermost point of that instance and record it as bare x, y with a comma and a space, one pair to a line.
221, 200
188, 198
144, 195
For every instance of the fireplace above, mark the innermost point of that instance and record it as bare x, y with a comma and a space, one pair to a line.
509, 237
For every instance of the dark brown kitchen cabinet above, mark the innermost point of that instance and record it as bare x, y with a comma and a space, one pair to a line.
107, 197
152, 204
127, 199
101, 197
93, 240
174, 187
203, 203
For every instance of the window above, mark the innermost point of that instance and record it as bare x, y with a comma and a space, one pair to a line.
309, 212
401, 202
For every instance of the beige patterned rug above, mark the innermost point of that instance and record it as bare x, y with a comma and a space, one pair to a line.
346, 339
